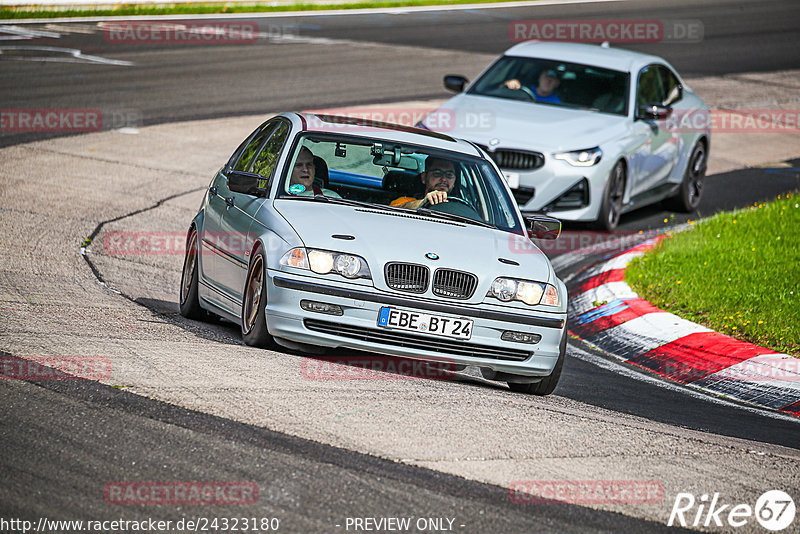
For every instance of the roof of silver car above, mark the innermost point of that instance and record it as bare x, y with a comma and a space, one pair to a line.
384, 130
584, 54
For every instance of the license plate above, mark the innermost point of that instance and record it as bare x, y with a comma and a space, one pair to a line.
512, 178
422, 322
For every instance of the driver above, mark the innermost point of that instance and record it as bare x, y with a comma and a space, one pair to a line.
439, 179
549, 81
301, 182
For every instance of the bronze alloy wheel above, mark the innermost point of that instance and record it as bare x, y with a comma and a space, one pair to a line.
189, 296
189, 266
254, 315
252, 297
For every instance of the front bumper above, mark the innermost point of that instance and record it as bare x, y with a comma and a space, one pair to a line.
555, 179
357, 327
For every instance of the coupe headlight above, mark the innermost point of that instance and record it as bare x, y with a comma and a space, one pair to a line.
531, 293
325, 262
581, 158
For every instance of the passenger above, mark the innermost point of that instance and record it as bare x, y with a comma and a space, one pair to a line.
303, 175
439, 179
549, 81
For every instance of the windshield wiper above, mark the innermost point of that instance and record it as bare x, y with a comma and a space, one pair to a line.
454, 217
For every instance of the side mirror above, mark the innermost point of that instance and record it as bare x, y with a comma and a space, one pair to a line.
655, 112
455, 83
543, 227
248, 183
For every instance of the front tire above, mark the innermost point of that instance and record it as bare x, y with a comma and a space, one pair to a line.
611, 209
254, 322
548, 384
189, 300
690, 192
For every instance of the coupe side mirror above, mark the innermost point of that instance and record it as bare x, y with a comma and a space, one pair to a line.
543, 227
455, 83
655, 112
248, 183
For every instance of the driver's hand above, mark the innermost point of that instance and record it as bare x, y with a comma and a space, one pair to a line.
513, 84
435, 197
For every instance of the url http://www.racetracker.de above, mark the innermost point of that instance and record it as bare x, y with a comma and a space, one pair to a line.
196, 524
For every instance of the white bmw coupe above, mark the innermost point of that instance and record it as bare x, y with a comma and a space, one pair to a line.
584, 132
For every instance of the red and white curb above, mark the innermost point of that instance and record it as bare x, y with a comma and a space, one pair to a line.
606, 313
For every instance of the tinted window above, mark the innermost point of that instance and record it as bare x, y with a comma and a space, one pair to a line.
268, 157
650, 88
249, 152
671, 85
572, 85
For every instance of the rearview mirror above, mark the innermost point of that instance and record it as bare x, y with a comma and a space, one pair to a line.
655, 112
455, 83
543, 227
248, 183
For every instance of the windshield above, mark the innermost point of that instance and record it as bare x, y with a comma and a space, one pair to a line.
393, 176
556, 83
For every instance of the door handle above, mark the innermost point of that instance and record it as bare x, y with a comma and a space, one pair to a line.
212, 191
230, 202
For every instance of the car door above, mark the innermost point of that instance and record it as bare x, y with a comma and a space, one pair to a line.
655, 157
238, 221
216, 241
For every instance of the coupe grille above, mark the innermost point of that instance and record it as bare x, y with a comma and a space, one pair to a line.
454, 284
407, 277
408, 339
516, 159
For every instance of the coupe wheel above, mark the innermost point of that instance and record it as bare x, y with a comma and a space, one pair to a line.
691, 190
254, 323
189, 301
548, 384
611, 209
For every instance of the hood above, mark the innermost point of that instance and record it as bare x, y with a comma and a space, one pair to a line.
539, 127
383, 236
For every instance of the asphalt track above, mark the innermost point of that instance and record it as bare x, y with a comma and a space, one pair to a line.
185, 82
63, 440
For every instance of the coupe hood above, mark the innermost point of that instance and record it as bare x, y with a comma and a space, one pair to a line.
528, 125
383, 236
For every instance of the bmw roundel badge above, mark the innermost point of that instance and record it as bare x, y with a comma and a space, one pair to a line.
432, 256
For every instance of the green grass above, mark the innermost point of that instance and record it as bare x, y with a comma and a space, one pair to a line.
736, 272
189, 8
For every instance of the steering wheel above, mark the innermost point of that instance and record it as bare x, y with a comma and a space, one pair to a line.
455, 206
528, 92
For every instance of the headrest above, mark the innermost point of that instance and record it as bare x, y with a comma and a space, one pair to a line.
321, 172
403, 183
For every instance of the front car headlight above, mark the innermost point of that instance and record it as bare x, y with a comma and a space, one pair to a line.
531, 293
326, 261
581, 158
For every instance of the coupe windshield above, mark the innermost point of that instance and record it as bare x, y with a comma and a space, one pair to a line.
556, 83
393, 176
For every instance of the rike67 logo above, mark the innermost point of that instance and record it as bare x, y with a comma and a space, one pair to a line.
774, 510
